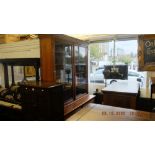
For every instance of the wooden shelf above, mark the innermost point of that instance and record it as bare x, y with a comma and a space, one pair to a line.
77, 103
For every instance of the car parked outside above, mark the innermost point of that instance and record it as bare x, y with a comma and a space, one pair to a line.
98, 77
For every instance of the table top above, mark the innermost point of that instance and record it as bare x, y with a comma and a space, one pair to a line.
122, 87
97, 112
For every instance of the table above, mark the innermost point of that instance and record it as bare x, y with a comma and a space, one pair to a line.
97, 112
121, 94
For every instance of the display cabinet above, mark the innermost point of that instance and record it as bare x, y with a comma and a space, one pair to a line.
68, 61
71, 70
81, 77
64, 69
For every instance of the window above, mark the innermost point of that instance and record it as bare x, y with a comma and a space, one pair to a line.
115, 52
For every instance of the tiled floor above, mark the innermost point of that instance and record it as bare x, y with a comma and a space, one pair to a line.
96, 112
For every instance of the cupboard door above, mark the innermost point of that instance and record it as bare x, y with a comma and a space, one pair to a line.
64, 70
81, 81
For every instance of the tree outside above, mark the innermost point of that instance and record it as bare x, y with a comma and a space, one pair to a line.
96, 53
126, 59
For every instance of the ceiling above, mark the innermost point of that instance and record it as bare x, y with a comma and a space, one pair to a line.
90, 38
103, 37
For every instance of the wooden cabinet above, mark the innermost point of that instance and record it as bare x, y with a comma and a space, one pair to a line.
152, 80
65, 60
47, 58
42, 101
121, 94
71, 69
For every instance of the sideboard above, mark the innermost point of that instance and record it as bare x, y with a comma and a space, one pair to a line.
121, 94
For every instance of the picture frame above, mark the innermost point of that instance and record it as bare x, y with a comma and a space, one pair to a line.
146, 52
30, 71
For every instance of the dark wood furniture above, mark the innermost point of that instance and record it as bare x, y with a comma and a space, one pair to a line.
13, 110
152, 86
10, 111
121, 94
65, 60
71, 106
39, 100
96, 112
42, 101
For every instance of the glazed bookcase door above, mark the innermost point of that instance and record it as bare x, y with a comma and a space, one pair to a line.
81, 82
64, 69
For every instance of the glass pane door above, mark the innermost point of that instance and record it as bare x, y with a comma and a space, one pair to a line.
81, 82
64, 69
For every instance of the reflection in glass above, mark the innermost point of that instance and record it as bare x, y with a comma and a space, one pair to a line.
64, 69
18, 72
81, 70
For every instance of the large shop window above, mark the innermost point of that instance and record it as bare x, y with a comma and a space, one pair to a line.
118, 52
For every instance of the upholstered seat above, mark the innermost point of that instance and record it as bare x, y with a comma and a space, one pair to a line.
10, 105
